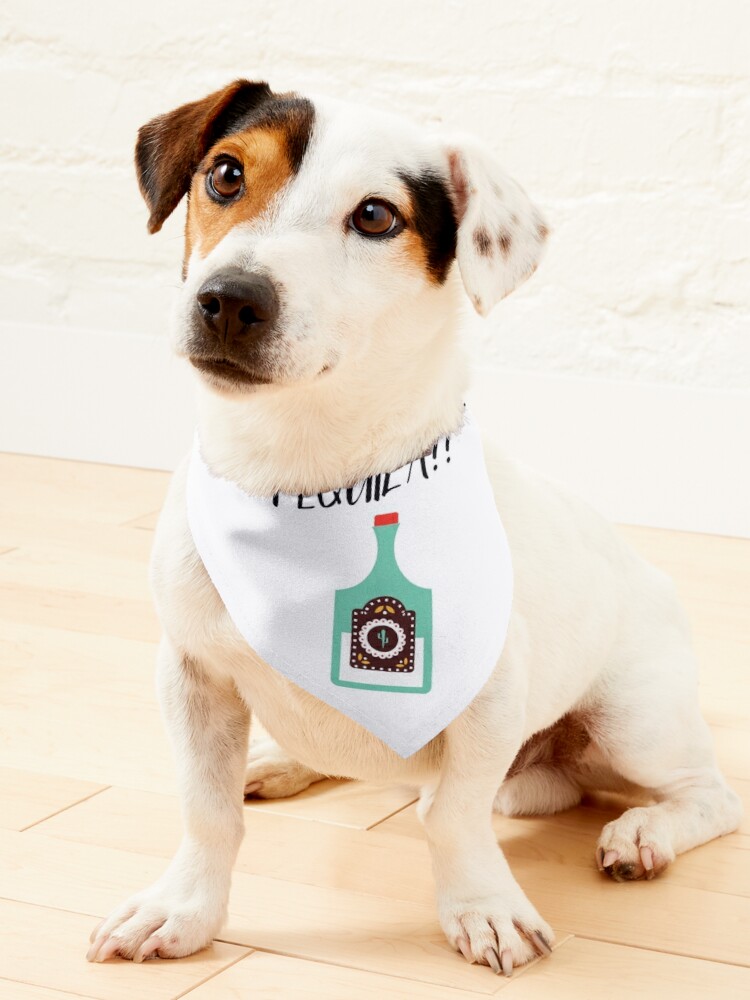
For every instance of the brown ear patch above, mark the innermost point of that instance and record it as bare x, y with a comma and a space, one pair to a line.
170, 148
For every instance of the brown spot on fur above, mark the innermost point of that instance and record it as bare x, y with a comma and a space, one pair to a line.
504, 241
263, 153
560, 745
482, 242
542, 231
411, 249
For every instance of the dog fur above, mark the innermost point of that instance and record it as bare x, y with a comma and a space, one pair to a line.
596, 687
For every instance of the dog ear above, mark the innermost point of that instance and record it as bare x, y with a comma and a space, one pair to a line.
170, 147
501, 234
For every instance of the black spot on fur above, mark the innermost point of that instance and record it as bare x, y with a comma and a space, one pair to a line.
292, 114
434, 219
482, 242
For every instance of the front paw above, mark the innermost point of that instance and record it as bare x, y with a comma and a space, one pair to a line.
156, 923
496, 930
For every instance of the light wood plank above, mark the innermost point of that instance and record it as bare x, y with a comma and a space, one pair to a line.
325, 924
390, 860
706, 564
570, 838
150, 823
732, 751
27, 798
79, 611
275, 846
80, 491
68, 733
79, 569
70, 703
566, 887
312, 881
357, 804
712, 575
40, 527
45, 948
276, 977
27, 991
338, 926
583, 968
147, 522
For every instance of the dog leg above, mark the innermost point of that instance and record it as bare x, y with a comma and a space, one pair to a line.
539, 790
272, 774
484, 912
183, 910
664, 746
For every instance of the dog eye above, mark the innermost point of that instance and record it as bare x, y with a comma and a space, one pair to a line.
374, 217
224, 181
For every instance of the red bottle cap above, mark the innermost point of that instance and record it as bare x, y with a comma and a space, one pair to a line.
381, 519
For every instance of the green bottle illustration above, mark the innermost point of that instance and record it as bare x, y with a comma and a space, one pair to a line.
382, 627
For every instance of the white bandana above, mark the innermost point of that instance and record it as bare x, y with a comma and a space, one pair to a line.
400, 585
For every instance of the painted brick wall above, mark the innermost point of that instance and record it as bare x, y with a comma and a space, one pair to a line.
628, 122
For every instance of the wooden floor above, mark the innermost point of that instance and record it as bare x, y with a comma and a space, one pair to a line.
332, 895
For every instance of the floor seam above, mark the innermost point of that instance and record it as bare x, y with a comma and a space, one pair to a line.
219, 972
665, 951
358, 968
395, 812
70, 805
55, 989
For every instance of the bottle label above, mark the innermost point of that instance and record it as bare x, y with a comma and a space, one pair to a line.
383, 636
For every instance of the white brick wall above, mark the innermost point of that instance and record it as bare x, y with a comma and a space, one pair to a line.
628, 121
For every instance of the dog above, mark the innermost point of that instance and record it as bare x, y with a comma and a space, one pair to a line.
325, 242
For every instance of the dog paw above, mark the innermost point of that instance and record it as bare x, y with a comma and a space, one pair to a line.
272, 774
491, 932
151, 925
636, 845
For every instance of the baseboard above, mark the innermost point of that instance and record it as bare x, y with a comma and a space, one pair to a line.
650, 454
664, 456
123, 399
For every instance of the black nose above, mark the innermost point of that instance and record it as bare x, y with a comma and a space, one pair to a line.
233, 304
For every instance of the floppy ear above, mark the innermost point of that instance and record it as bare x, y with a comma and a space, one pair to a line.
170, 147
500, 232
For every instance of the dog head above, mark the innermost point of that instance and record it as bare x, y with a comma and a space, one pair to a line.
317, 232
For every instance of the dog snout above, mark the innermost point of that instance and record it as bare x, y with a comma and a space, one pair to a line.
234, 304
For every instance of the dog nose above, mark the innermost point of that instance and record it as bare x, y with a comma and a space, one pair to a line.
233, 304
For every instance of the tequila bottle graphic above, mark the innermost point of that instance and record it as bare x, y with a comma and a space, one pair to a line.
382, 627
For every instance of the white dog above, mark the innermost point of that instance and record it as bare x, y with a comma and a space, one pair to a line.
320, 244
